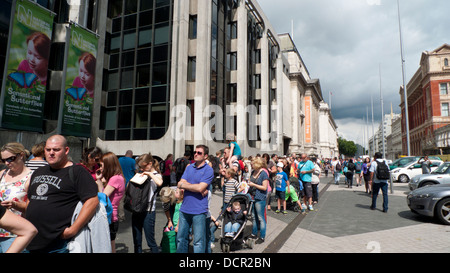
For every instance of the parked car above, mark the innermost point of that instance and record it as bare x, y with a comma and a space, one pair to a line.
406, 160
432, 201
404, 174
439, 176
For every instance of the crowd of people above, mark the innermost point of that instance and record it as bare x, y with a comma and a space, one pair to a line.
362, 170
57, 199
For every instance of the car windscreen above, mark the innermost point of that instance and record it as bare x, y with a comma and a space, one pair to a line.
443, 168
402, 162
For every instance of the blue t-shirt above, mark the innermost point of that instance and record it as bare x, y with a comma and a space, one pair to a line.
128, 165
194, 202
236, 149
305, 166
281, 179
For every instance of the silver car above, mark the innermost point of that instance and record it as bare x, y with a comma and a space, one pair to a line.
432, 201
441, 175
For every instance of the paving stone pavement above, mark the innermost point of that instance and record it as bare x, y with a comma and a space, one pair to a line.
341, 223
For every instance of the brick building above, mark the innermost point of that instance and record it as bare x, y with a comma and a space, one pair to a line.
428, 101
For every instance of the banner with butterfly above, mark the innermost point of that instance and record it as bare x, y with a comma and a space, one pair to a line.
79, 82
26, 67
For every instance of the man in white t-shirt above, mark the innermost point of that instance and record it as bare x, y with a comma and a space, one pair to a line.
378, 184
336, 168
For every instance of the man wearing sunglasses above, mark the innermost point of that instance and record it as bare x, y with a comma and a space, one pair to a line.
195, 182
53, 196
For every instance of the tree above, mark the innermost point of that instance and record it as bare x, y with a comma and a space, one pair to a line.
346, 147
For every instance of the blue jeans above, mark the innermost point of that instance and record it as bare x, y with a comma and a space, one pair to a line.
5, 243
146, 221
198, 224
384, 189
57, 246
259, 219
209, 235
337, 175
230, 227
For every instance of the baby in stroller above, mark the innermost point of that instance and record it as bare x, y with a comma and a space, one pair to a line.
236, 217
292, 194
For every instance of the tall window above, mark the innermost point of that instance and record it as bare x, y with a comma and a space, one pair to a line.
193, 27
221, 62
138, 77
443, 88
192, 66
444, 109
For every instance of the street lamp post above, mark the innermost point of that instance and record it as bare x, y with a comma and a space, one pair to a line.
405, 94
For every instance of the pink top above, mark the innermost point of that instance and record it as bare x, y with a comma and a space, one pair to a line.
25, 67
77, 83
167, 170
117, 182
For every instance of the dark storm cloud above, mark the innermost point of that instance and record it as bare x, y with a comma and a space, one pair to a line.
345, 44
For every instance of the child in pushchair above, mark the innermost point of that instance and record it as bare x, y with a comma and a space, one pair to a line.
235, 218
293, 194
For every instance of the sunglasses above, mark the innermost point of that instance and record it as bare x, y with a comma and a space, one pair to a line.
198, 153
10, 159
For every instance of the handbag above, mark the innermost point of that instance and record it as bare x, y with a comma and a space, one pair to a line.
169, 241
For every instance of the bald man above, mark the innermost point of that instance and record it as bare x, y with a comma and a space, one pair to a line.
53, 197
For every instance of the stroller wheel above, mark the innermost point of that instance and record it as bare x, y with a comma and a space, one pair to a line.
225, 248
250, 243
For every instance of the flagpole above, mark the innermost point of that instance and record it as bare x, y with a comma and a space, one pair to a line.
405, 93
382, 115
329, 97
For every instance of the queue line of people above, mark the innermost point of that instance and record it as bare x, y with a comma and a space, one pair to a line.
58, 184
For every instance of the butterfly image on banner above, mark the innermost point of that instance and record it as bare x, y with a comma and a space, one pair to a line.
77, 93
22, 79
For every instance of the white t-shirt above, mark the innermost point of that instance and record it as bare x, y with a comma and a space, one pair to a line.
153, 188
373, 169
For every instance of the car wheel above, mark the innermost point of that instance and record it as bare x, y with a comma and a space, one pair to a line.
443, 211
403, 178
426, 184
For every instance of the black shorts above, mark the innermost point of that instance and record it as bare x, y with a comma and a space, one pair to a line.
307, 189
113, 228
280, 195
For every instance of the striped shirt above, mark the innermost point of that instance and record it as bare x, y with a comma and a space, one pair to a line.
231, 187
35, 164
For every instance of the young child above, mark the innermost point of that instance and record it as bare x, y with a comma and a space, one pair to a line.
281, 182
231, 186
172, 199
235, 150
236, 218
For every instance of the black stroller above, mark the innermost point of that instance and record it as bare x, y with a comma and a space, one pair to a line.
238, 238
290, 204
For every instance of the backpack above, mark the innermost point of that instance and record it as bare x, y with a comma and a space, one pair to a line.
136, 196
338, 166
181, 164
162, 166
215, 162
383, 172
241, 165
358, 166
